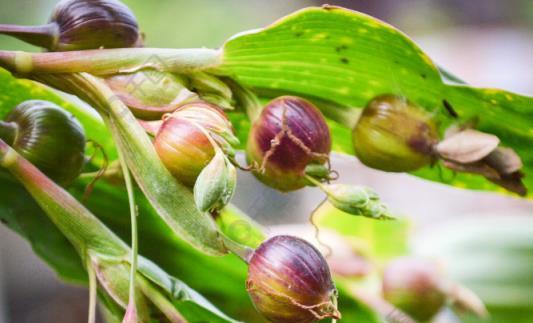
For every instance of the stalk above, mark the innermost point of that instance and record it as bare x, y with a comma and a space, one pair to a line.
8, 131
111, 61
162, 303
77, 223
43, 36
134, 232
92, 292
242, 251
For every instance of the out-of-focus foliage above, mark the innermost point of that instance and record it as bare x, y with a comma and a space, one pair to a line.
494, 258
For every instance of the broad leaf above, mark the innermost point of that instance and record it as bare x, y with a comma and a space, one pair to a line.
343, 59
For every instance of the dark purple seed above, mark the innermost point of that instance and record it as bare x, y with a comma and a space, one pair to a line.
290, 134
290, 281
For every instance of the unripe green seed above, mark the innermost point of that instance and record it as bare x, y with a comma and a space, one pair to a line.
49, 137
394, 135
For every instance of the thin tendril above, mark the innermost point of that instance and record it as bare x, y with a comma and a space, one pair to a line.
329, 250
92, 292
90, 187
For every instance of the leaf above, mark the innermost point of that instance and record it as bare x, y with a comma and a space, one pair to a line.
183, 295
240, 227
20, 213
341, 59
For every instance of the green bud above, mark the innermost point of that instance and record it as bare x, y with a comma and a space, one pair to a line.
317, 171
212, 89
215, 185
394, 135
356, 200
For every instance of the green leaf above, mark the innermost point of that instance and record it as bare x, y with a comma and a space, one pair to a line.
20, 213
190, 303
341, 59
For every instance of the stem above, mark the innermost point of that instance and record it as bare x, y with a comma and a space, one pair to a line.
161, 302
8, 132
318, 184
78, 224
43, 36
134, 233
242, 251
92, 291
111, 61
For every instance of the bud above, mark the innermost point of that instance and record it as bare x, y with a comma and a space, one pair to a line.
289, 281
394, 135
82, 24
290, 134
187, 139
48, 136
213, 90
356, 200
150, 94
215, 185
416, 286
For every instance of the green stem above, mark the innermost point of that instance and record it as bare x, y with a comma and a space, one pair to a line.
77, 223
242, 251
8, 132
43, 36
318, 184
161, 302
92, 291
111, 61
134, 232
